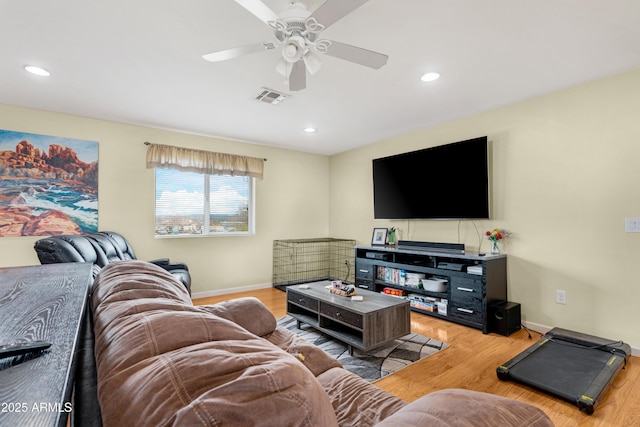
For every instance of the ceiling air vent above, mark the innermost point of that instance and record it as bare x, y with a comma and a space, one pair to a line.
271, 96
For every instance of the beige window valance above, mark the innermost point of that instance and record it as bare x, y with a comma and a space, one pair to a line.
200, 161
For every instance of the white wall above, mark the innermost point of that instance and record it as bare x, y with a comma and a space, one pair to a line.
566, 173
291, 200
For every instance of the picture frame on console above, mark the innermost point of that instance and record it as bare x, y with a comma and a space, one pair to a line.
379, 237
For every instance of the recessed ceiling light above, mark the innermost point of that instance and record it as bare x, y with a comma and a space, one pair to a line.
429, 77
37, 70
310, 130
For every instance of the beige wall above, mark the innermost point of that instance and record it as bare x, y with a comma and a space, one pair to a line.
291, 201
566, 173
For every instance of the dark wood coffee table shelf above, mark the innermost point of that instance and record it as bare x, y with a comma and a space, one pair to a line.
367, 324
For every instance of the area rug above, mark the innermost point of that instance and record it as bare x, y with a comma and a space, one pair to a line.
375, 364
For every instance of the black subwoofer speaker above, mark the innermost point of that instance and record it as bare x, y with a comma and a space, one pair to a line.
504, 318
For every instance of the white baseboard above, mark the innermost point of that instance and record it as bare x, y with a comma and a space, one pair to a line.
219, 292
543, 329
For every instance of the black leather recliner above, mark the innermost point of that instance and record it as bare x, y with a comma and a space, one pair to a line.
100, 249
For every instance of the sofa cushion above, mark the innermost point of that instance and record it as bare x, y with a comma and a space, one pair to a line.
466, 408
356, 401
162, 361
311, 356
134, 279
249, 312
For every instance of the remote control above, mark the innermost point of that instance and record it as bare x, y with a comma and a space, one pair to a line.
18, 348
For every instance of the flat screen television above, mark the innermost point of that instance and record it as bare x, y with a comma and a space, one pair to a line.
445, 182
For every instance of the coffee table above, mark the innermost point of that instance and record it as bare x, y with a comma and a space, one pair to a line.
372, 322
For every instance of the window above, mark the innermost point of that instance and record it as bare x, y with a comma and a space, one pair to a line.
195, 204
203, 193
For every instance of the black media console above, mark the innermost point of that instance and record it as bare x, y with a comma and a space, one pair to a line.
458, 286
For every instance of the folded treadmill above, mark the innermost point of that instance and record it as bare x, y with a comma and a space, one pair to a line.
576, 367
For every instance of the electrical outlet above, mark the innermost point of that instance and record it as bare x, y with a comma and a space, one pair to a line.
561, 297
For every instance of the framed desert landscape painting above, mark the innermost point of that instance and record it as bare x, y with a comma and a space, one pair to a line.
48, 185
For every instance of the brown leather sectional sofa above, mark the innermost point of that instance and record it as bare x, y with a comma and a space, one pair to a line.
163, 361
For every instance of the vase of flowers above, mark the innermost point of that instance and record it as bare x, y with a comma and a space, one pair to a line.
495, 236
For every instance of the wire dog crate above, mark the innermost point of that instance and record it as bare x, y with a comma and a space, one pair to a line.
310, 260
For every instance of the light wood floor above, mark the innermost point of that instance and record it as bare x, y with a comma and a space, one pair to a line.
470, 362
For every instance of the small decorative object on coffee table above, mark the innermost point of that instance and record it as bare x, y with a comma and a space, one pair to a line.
364, 324
339, 288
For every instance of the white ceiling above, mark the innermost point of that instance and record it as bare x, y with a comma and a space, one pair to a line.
140, 62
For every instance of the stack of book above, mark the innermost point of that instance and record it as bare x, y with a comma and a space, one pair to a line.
391, 275
426, 303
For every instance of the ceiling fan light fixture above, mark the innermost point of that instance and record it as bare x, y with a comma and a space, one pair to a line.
290, 51
312, 61
297, 32
294, 49
283, 68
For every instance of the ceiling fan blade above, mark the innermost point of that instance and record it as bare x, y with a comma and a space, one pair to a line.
332, 10
223, 55
361, 56
298, 76
259, 9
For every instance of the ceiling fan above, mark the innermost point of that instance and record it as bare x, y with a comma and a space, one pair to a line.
297, 33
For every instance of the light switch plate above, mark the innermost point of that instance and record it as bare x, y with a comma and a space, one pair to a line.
632, 225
